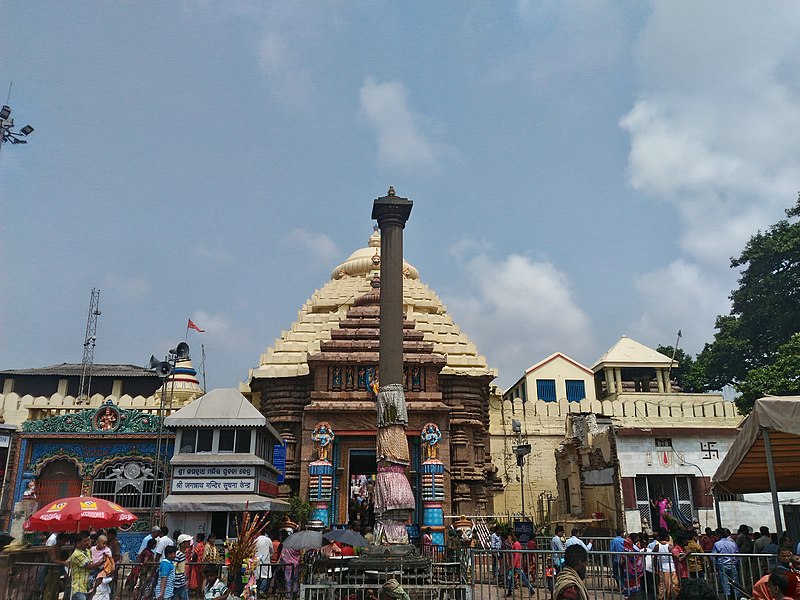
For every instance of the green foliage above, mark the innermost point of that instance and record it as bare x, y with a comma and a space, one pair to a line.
299, 510
748, 349
781, 378
686, 371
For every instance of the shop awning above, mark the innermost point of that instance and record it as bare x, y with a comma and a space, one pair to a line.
763, 456
744, 469
222, 503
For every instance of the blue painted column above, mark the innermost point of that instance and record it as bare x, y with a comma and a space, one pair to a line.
320, 475
432, 484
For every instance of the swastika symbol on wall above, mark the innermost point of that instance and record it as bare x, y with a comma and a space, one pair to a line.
709, 449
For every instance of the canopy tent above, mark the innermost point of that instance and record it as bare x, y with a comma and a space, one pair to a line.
763, 456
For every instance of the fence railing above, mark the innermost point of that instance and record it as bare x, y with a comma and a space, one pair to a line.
458, 574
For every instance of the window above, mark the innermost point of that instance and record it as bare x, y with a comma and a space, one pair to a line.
227, 440
129, 483
663, 442
730, 497
243, 441
576, 390
546, 389
196, 440
188, 441
234, 440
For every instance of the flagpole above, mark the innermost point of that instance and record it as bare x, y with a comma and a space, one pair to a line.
203, 363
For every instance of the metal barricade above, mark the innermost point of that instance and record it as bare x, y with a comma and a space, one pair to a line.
614, 575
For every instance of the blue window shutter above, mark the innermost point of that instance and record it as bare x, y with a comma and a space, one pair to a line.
576, 390
546, 389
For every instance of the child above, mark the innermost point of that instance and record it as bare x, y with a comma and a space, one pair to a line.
214, 588
103, 591
550, 576
101, 551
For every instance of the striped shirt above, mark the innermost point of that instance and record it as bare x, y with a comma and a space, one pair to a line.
180, 569
79, 562
166, 569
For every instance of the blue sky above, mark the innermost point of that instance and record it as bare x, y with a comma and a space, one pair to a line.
580, 170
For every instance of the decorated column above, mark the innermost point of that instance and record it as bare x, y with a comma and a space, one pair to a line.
432, 483
394, 500
320, 481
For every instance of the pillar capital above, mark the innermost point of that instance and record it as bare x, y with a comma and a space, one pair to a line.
391, 211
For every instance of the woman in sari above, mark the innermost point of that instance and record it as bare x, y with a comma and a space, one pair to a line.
142, 578
210, 552
632, 567
195, 578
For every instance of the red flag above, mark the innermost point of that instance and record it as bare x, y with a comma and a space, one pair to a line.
193, 325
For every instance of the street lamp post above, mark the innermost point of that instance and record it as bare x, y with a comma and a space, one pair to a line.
521, 451
7, 128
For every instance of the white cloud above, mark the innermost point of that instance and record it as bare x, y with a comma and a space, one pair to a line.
711, 134
401, 143
318, 246
680, 296
290, 82
517, 308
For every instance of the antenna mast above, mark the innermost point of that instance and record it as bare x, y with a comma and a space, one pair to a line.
89, 342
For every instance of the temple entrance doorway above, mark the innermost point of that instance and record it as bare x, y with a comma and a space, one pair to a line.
361, 488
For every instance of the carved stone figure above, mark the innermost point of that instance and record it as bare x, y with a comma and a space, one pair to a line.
430, 436
323, 437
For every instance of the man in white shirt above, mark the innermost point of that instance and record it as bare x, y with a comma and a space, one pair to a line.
154, 534
51, 541
496, 543
163, 542
576, 540
264, 555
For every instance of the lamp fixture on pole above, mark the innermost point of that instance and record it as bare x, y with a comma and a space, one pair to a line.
7, 127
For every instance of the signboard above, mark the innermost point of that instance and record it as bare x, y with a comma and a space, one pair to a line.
523, 529
213, 471
5, 440
279, 461
213, 485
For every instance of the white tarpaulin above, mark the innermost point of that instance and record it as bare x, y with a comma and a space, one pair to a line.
744, 468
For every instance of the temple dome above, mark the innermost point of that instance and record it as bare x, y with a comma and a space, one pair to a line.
364, 261
321, 313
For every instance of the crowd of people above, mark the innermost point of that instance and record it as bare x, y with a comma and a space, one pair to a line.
662, 566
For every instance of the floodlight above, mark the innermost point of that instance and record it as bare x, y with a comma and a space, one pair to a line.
27, 130
5, 112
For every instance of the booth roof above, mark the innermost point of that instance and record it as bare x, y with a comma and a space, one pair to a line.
744, 468
223, 407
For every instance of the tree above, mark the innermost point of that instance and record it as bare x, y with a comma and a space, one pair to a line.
686, 371
765, 312
780, 378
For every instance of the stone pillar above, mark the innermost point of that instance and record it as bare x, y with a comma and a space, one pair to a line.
610, 387
432, 484
394, 500
660, 380
618, 377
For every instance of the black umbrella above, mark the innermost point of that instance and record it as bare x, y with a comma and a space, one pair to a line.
303, 539
346, 536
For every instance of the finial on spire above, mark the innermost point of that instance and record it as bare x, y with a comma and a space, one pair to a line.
391, 192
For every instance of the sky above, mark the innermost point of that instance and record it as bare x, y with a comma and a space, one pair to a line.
579, 170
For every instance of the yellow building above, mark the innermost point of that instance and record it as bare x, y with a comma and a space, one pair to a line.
630, 384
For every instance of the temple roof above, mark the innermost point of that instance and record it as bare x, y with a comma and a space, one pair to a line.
627, 352
321, 313
74, 369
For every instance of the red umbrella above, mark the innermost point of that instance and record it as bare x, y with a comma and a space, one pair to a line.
71, 514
